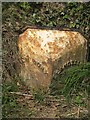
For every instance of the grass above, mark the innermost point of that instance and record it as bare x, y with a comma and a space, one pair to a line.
73, 83
11, 108
9, 103
39, 96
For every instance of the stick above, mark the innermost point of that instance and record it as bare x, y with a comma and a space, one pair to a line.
22, 94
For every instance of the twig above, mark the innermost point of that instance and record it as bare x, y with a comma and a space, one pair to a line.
78, 112
22, 94
72, 114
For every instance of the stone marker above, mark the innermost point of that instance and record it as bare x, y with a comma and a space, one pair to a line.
45, 52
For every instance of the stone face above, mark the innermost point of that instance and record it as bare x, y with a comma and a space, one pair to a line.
45, 52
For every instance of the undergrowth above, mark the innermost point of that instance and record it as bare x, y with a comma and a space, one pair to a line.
9, 103
11, 107
73, 82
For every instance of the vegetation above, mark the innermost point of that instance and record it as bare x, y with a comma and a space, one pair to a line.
77, 78
74, 81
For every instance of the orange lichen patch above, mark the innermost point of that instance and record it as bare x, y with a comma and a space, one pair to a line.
46, 51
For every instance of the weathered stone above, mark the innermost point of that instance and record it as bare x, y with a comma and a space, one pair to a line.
45, 52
